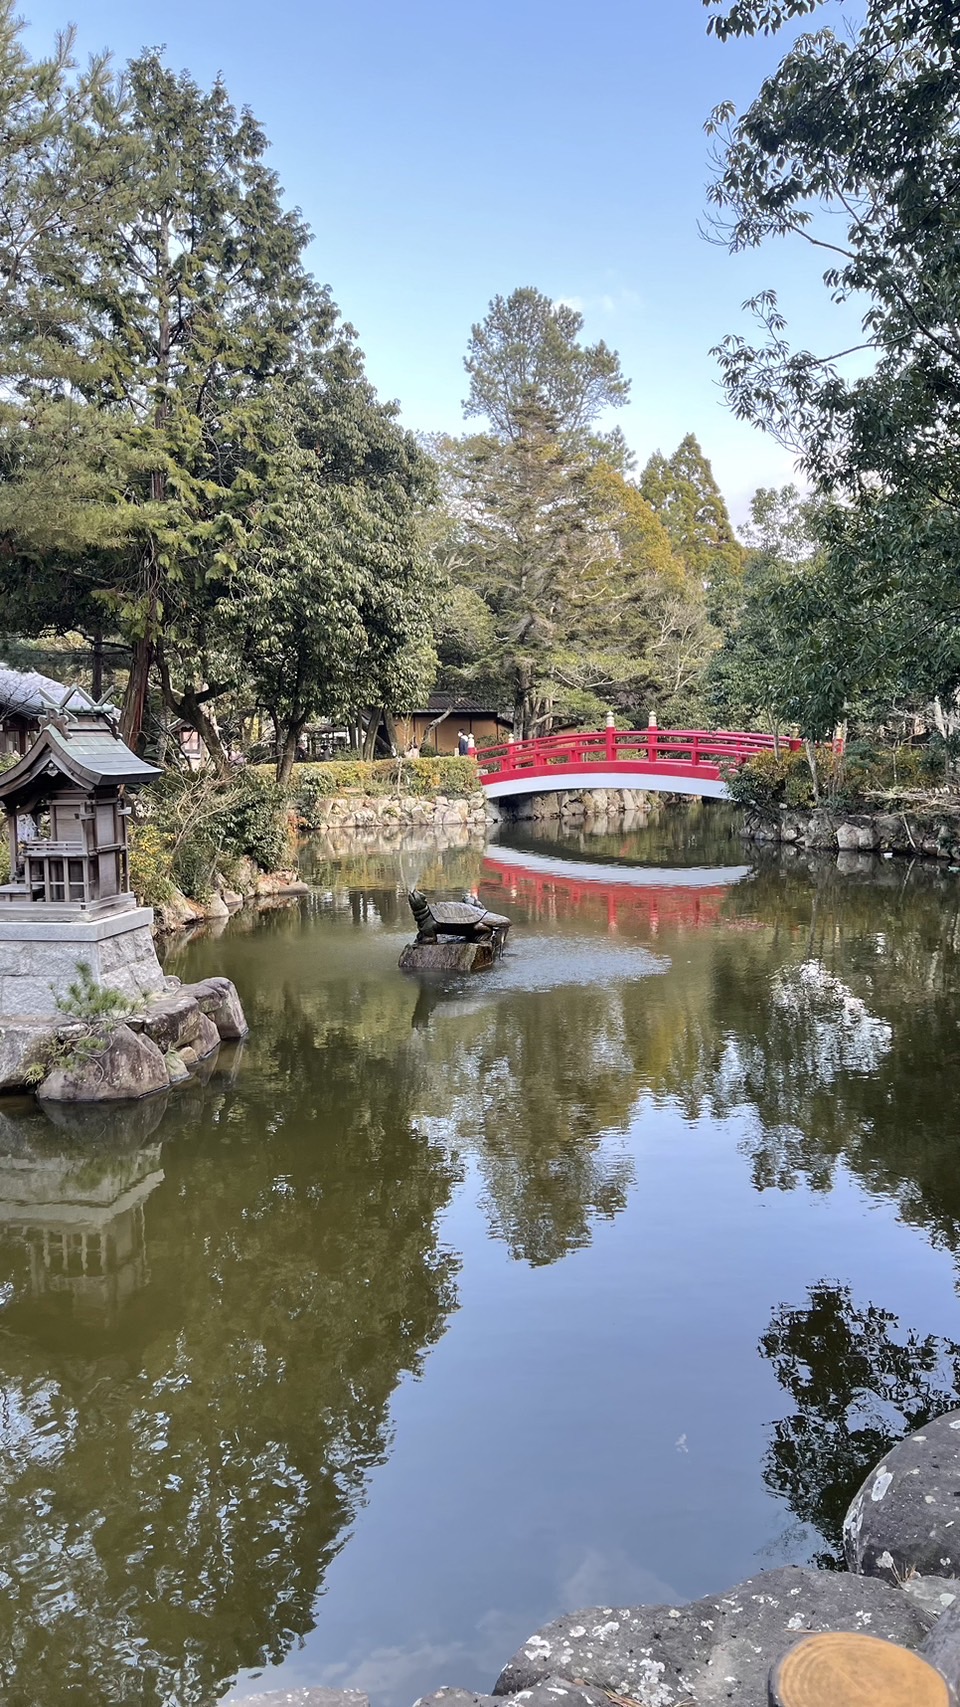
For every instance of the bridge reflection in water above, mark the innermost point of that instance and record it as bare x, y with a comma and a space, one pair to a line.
674, 898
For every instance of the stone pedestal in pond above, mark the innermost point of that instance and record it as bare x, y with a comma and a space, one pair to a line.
39, 958
447, 957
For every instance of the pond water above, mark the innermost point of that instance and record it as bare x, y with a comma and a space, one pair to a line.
441, 1309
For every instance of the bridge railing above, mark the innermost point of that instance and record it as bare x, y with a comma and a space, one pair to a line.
629, 747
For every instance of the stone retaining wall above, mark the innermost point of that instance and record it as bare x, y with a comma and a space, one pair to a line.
373, 811
580, 805
931, 833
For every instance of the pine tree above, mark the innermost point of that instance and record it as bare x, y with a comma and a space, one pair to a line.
527, 353
535, 554
684, 494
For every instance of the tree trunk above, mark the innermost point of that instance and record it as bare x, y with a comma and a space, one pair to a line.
96, 668
370, 736
391, 733
189, 707
135, 699
288, 752
811, 752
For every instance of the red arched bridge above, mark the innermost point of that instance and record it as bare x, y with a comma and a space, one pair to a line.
666, 761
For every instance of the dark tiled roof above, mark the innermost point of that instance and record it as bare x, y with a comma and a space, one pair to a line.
86, 754
449, 702
27, 691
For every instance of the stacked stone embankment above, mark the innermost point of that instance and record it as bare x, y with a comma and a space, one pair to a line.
579, 805
928, 832
401, 811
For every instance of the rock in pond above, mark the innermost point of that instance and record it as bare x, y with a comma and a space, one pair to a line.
217, 997
125, 1068
714, 1652
905, 1520
447, 957
22, 1045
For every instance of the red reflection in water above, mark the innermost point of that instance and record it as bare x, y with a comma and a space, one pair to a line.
554, 897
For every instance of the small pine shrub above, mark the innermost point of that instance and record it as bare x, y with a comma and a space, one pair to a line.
87, 1000
98, 1009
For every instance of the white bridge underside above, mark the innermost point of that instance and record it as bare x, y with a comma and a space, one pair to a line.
563, 781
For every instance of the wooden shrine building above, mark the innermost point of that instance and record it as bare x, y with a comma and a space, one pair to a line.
65, 803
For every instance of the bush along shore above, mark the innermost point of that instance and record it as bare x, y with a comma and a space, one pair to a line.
204, 844
856, 802
901, 1584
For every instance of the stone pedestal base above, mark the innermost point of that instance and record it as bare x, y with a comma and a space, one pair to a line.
38, 961
448, 956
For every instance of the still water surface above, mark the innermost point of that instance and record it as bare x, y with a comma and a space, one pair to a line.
441, 1309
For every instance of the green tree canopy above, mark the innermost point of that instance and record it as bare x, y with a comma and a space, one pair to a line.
682, 492
853, 147
527, 353
334, 612
163, 323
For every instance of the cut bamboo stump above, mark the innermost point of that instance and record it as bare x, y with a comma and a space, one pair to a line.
845, 1669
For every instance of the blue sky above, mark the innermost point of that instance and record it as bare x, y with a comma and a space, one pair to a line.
442, 152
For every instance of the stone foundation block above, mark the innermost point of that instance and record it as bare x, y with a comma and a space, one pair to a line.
39, 960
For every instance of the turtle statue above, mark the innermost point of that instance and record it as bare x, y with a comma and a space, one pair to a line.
469, 920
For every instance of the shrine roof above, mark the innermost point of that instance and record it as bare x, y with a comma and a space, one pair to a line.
85, 751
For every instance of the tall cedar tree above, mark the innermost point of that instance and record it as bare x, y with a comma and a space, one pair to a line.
166, 317
684, 494
535, 552
530, 522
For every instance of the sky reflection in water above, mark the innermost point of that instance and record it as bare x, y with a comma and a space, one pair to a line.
445, 1307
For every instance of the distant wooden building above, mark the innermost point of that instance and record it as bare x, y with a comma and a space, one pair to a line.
440, 721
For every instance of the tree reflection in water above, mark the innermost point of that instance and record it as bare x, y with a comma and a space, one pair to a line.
175, 1481
188, 1429
858, 1383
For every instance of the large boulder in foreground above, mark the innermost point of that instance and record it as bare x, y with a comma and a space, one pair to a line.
714, 1652
905, 1520
121, 1067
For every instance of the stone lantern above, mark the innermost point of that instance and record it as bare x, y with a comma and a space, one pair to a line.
69, 899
